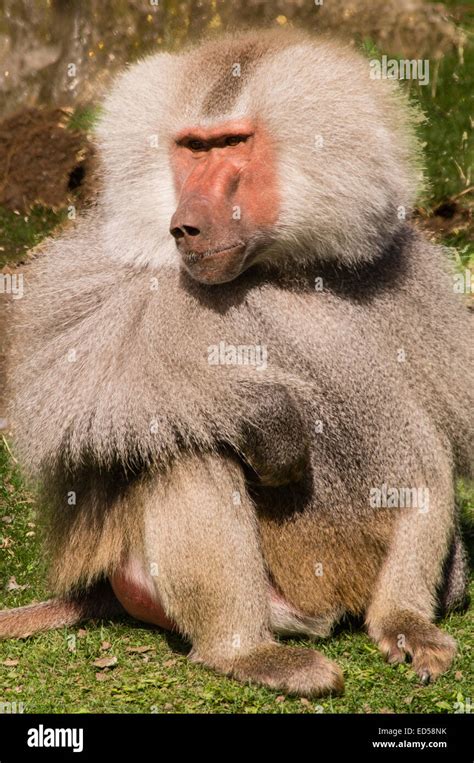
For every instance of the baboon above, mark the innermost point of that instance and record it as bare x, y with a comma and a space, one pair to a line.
257, 196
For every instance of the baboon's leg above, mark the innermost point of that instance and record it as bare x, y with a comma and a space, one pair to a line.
202, 554
404, 604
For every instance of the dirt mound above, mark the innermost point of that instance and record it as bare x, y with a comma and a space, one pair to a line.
42, 161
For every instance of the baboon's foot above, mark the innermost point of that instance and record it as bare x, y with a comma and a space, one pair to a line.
406, 634
290, 670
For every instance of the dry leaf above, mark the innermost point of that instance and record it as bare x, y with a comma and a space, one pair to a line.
12, 585
105, 662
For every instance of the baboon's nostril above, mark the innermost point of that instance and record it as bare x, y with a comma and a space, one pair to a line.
191, 231
177, 233
184, 230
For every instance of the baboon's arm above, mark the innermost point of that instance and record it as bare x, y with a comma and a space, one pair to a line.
275, 445
405, 599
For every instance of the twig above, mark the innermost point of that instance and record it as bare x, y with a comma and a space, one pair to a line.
462, 193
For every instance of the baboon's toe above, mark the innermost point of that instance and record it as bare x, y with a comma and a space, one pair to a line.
292, 670
432, 659
408, 635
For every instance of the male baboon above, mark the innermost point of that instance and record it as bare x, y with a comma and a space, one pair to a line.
285, 176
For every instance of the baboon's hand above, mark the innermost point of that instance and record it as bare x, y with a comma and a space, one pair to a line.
276, 444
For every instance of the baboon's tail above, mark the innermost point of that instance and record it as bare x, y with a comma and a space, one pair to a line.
99, 601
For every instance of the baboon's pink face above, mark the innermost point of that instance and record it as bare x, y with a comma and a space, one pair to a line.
225, 179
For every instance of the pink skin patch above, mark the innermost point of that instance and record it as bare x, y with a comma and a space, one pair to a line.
226, 182
134, 589
136, 593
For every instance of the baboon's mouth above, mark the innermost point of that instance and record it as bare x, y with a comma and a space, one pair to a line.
195, 256
215, 266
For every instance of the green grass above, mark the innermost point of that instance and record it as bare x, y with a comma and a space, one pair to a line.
20, 232
84, 118
51, 679
448, 133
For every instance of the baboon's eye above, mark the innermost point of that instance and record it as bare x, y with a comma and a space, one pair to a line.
197, 145
233, 140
